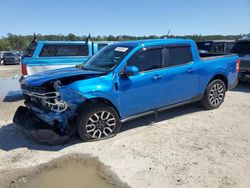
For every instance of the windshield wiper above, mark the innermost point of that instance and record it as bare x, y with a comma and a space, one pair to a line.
79, 66
88, 69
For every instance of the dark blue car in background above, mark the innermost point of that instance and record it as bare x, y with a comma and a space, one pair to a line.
242, 48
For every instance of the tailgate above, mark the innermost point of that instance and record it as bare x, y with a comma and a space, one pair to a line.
245, 64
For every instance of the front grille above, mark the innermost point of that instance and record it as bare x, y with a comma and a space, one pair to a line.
10, 59
48, 101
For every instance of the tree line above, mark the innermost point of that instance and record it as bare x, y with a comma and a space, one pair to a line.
20, 42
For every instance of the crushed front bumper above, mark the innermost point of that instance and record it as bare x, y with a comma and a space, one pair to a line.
55, 110
37, 129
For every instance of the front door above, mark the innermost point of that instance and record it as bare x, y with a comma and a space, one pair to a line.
142, 92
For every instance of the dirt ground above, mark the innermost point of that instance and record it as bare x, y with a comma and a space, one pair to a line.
183, 147
10, 71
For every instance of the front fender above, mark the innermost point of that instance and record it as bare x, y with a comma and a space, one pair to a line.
99, 87
104, 95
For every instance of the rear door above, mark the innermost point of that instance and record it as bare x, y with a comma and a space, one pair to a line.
181, 76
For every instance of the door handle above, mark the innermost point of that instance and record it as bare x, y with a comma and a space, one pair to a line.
157, 77
190, 70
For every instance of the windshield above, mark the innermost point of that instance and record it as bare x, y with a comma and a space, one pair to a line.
107, 58
241, 48
30, 50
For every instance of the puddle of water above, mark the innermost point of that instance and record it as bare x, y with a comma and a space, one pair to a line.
74, 171
9, 87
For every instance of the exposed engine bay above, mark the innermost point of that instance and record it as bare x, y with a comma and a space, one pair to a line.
49, 101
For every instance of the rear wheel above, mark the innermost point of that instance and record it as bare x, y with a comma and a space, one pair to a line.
214, 95
98, 121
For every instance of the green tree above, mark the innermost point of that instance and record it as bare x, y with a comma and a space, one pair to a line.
19, 42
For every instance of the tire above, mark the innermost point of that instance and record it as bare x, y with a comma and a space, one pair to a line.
214, 94
97, 121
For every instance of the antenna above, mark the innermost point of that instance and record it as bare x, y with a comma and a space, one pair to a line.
88, 38
168, 33
166, 36
34, 38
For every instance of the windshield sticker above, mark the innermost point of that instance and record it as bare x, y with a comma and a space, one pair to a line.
121, 49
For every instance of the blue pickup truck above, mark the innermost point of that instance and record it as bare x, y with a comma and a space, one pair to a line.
47, 55
124, 81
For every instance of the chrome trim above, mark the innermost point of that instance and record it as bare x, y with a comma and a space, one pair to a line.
57, 105
137, 116
41, 95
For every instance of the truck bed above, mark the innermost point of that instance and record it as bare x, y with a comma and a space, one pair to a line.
209, 56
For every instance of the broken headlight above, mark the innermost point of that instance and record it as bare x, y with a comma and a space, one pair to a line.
72, 97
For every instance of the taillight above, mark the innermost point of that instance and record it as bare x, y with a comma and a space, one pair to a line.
237, 65
24, 69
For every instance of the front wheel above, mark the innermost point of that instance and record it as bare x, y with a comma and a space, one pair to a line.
214, 95
98, 121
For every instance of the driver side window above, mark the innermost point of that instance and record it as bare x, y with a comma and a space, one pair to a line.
146, 60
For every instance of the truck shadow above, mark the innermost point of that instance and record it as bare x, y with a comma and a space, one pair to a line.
13, 96
12, 137
242, 87
162, 116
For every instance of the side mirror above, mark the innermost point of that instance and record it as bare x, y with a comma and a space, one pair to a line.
131, 71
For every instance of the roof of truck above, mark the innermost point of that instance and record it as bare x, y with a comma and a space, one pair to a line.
153, 41
71, 42
127, 43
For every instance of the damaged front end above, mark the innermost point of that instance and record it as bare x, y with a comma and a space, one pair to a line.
52, 108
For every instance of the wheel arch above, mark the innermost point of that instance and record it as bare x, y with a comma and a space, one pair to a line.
99, 100
220, 77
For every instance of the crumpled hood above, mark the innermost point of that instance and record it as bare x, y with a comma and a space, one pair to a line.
66, 75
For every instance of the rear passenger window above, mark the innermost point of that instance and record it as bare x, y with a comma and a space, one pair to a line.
147, 59
72, 50
178, 55
64, 50
48, 51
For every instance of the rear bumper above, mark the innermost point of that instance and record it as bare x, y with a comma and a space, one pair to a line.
244, 76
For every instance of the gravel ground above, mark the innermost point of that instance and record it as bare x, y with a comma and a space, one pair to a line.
183, 147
